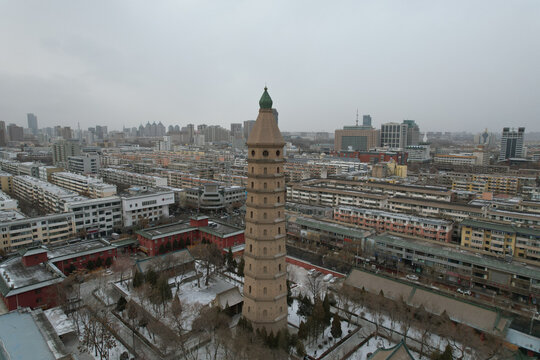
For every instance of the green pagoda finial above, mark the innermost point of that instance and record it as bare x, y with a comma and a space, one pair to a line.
266, 100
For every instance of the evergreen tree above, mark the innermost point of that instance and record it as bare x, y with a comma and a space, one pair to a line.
108, 262
121, 304
90, 265
241, 265
138, 279
229, 260
289, 294
163, 290
305, 308
326, 307
300, 349
446, 355
318, 317
161, 249
336, 327
151, 277
99, 262
302, 330
282, 340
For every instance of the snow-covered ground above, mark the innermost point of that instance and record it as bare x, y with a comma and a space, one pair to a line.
317, 346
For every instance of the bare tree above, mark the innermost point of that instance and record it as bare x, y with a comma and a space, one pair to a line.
315, 286
132, 314
210, 255
122, 265
96, 335
177, 315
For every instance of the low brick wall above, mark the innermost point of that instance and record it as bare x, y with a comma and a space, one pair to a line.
309, 266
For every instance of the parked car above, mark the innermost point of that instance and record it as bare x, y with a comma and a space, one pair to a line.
464, 291
412, 277
328, 277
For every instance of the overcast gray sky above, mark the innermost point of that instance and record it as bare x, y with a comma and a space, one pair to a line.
450, 65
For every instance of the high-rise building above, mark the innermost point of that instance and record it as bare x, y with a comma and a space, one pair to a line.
512, 143
62, 150
366, 121
413, 132
32, 123
3, 134
236, 128
356, 138
276, 115
485, 138
265, 285
15, 133
248, 125
394, 135
66, 133
101, 132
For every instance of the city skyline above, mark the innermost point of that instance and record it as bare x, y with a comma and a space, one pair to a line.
128, 63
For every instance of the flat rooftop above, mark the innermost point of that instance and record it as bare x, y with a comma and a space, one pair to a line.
164, 230
22, 339
445, 251
15, 278
80, 248
10, 215
401, 216
221, 229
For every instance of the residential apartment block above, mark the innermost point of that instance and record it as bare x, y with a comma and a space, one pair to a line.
84, 164
21, 231
7, 203
116, 176
46, 196
96, 217
501, 239
84, 185
383, 221
149, 204
215, 197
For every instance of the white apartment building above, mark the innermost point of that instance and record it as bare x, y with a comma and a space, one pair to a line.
394, 135
111, 175
214, 197
46, 196
88, 186
95, 217
418, 153
84, 164
7, 203
142, 203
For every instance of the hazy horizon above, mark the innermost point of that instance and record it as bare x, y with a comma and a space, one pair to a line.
451, 66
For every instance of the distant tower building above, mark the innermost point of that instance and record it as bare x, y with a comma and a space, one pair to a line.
32, 123
512, 143
265, 287
15, 133
366, 121
276, 115
485, 138
394, 135
237, 131
248, 125
62, 150
3, 134
358, 137
413, 132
